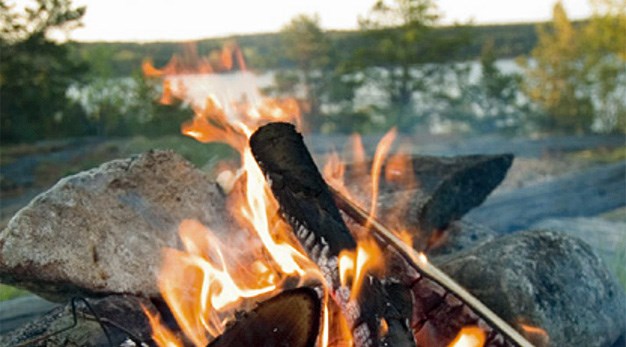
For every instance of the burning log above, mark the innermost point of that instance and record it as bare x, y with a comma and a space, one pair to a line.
440, 307
291, 318
308, 206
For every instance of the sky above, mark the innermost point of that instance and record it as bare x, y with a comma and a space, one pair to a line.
153, 20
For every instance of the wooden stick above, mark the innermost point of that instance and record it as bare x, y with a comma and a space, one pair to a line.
420, 263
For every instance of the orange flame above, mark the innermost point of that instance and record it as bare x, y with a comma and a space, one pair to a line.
381, 152
355, 265
469, 336
203, 284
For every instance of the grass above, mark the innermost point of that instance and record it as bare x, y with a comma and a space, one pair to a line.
8, 292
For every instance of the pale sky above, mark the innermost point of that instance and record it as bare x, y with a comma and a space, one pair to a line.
150, 20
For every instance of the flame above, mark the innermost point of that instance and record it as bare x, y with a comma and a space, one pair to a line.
397, 169
355, 265
381, 152
206, 281
203, 284
469, 336
161, 335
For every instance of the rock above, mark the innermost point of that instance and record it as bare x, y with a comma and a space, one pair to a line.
458, 236
443, 190
607, 238
121, 315
578, 194
101, 231
548, 280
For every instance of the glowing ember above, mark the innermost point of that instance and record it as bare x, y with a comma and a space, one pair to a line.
536, 335
469, 337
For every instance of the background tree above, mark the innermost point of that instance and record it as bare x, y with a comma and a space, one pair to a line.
402, 43
500, 106
36, 71
308, 47
604, 40
577, 73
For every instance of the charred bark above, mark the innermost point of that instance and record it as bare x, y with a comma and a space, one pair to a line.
308, 206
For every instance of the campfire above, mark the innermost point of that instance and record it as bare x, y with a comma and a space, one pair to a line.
311, 264
272, 251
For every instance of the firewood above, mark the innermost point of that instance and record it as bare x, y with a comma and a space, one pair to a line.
291, 318
441, 306
307, 205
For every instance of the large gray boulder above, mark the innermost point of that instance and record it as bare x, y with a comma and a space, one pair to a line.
102, 231
545, 279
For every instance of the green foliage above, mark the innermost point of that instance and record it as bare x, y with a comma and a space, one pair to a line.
308, 47
35, 72
403, 43
577, 73
493, 103
127, 106
268, 51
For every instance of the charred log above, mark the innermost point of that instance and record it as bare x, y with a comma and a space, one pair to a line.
308, 206
290, 319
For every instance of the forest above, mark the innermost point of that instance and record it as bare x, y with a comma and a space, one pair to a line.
569, 76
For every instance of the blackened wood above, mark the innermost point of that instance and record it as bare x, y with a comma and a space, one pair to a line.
440, 307
443, 189
306, 203
290, 319
300, 189
579, 194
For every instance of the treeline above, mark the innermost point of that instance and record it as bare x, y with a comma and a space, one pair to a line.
267, 51
401, 68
